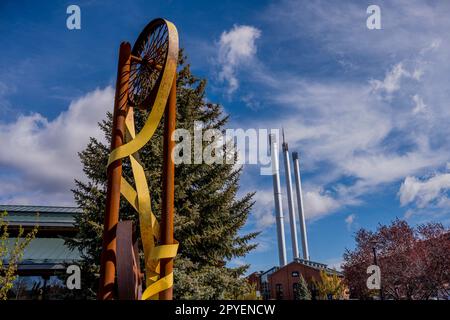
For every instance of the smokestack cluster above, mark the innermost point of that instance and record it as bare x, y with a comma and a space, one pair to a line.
290, 198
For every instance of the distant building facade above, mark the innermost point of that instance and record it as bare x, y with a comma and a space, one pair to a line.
280, 283
42, 270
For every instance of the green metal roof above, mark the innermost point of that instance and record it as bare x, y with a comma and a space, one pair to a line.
48, 251
41, 209
44, 253
48, 215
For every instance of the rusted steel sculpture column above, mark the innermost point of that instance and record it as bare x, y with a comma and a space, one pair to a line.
168, 185
146, 80
114, 172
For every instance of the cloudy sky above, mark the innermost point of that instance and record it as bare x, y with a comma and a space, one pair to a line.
367, 110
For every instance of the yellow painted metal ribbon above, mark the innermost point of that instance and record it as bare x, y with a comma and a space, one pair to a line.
139, 197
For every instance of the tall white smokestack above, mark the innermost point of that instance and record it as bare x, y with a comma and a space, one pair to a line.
277, 198
290, 197
301, 211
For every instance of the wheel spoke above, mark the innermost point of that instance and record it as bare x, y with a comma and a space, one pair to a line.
147, 66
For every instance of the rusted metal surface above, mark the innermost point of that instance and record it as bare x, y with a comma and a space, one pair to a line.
167, 213
143, 81
148, 55
114, 172
129, 285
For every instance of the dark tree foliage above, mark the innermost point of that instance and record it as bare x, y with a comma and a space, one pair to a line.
208, 214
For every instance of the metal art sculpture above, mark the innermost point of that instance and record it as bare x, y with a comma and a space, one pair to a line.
146, 80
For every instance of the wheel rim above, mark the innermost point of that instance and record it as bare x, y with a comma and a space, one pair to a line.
149, 57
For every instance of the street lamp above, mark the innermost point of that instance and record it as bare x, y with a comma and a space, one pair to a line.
375, 262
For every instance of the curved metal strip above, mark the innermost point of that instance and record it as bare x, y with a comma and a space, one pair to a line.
139, 197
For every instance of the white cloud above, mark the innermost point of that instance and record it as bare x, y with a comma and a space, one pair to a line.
391, 82
349, 220
346, 126
5, 90
40, 155
335, 263
384, 168
236, 47
318, 204
408, 26
237, 262
425, 192
375, 127
265, 242
419, 105
331, 120
408, 214
263, 209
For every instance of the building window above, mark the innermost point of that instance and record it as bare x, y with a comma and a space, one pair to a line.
295, 273
39, 288
296, 287
279, 291
265, 291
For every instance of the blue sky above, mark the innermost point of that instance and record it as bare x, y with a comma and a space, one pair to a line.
366, 109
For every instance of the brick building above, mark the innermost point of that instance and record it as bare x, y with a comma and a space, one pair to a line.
280, 283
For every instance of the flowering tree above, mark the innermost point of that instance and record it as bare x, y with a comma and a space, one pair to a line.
329, 284
11, 254
414, 262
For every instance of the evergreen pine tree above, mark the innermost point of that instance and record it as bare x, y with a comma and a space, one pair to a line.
208, 215
301, 291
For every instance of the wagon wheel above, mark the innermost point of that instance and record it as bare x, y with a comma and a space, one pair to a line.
149, 56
